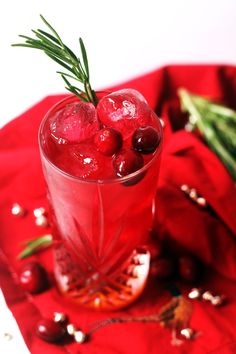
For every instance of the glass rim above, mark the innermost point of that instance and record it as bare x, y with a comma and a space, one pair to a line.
93, 181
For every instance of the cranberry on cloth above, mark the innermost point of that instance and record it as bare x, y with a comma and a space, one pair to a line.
209, 234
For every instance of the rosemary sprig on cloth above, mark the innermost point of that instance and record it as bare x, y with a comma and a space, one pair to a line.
35, 245
216, 123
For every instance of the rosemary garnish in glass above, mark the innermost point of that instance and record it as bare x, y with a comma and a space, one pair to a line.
52, 45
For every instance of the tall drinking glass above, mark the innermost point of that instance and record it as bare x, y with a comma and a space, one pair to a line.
99, 227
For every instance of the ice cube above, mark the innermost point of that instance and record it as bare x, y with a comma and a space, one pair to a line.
124, 110
82, 160
75, 123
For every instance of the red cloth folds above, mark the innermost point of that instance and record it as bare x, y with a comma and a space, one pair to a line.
209, 234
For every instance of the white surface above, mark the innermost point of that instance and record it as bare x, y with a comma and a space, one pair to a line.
11, 341
123, 38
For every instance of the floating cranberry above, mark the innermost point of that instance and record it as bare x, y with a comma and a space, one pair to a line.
163, 267
108, 141
127, 162
50, 331
146, 139
188, 268
33, 278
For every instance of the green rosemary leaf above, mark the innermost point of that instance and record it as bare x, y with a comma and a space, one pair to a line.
66, 81
95, 99
78, 73
32, 44
29, 251
24, 45
74, 89
84, 55
58, 60
47, 42
52, 29
25, 37
55, 51
86, 90
44, 37
37, 241
71, 54
35, 245
215, 124
66, 49
68, 75
48, 35
52, 45
25, 253
215, 108
227, 135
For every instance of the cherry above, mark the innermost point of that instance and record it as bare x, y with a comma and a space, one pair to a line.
108, 141
33, 278
163, 267
50, 331
188, 268
127, 162
145, 139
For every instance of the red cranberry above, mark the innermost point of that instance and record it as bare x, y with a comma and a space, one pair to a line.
188, 268
50, 331
145, 139
127, 162
108, 141
33, 278
134, 180
163, 267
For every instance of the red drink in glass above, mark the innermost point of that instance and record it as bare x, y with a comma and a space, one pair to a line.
99, 220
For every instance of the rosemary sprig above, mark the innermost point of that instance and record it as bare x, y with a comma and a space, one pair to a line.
52, 45
217, 125
35, 245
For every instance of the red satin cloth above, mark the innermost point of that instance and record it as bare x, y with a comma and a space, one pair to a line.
209, 234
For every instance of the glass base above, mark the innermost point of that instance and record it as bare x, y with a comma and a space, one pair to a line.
99, 291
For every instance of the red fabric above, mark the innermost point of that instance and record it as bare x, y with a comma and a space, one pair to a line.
209, 234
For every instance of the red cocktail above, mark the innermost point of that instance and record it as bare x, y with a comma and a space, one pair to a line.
101, 157
101, 166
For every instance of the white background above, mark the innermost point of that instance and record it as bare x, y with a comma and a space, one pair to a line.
124, 39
